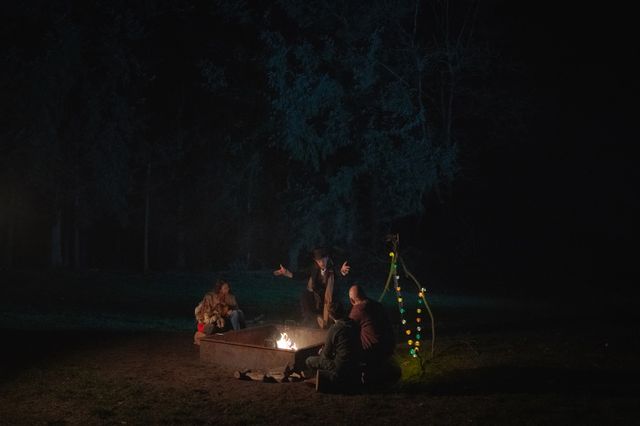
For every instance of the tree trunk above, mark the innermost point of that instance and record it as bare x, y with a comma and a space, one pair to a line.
182, 260
8, 263
56, 240
249, 223
351, 224
147, 196
66, 246
375, 234
76, 232
294, 254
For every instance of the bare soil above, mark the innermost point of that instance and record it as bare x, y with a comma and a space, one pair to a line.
552, 376
97, 348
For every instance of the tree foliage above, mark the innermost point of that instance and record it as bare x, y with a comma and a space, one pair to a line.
230, 132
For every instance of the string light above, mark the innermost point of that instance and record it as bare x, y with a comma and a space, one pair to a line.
414, 345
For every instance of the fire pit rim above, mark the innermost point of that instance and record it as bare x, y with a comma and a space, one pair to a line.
212, 338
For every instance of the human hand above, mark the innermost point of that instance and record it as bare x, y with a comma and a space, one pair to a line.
282, 271
344, 269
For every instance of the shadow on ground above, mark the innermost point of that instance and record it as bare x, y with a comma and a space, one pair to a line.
29, 348
509, 379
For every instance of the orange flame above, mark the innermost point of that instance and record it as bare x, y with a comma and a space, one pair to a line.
284, 342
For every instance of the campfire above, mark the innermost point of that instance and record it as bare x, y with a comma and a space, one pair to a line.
284, 342
258, 348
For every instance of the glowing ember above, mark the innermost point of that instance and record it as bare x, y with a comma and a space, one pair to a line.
285, 343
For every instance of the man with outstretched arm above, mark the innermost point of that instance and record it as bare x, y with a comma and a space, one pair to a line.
317, 297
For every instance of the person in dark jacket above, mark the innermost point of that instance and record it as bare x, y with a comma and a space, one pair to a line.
337, 365
377, 338
317, 297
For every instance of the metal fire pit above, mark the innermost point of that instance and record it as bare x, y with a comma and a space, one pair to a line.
255, 348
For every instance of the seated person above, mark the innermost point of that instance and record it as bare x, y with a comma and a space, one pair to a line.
225, 303
377, 339
337, 364
218, 312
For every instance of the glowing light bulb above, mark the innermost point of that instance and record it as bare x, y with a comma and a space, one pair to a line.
408, 332
417, 342
423, 290
391, 254
399, 299
419, 310
419, 328
418, 336
418, 320
416, 349
421, 294
410, 342
397, 288
419, 301
404, 321
402, 310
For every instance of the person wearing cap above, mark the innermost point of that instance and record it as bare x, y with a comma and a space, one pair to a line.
336, 366
317, 297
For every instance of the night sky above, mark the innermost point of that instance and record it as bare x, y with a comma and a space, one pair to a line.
163, 121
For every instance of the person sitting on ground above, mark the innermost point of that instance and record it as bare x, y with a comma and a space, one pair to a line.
226, 304
316, 299
209, 320
218, 312
337, 364
377, 338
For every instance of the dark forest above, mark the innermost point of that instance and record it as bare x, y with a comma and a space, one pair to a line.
151, 149
171, 135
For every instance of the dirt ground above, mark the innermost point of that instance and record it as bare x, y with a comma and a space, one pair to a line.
555, 375
97, 348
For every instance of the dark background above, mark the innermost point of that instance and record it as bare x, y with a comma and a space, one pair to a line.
108, 105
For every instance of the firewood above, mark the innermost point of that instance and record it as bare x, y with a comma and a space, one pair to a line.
295, 377
277, 376
256, 375
242, 374
269, 379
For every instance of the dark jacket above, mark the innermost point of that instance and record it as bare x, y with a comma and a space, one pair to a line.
315, 300
375, 328
341, 347
314, 272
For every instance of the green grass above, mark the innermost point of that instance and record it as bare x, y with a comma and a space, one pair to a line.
165, 301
